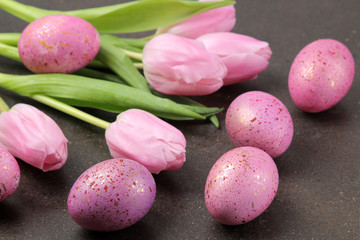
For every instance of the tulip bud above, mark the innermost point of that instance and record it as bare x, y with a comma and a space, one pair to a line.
221, 19
145, 138
32, 136
180, 66
245, 57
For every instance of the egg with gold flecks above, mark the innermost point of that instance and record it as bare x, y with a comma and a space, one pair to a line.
241, 185
112, 195
258, 119
321, 75
58, 44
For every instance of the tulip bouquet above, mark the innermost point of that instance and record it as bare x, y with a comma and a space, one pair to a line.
192, 52
76, 61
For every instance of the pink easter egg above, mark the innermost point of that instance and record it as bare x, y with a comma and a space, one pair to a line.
321, 75
112, 195
241, 185
260, 120
58, 44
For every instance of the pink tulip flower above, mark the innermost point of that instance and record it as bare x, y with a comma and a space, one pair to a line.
145, 138
180, 66
29, 134
221, 19
245, 57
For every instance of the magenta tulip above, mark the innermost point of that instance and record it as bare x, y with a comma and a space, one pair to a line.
221, 19
32, 136
145, 138
245, 57
180, 66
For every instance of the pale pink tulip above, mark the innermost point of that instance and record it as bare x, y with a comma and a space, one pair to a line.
145, 138
181, 66
221, 19
32, 136
245, 57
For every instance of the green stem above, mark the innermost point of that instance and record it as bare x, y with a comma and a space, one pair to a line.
71, 111
10, 38
139, 66
3, 106
9, 52
133, 55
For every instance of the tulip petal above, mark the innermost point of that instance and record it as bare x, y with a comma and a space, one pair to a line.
226, 43
244, 56
243, 67
221, 19
179, 66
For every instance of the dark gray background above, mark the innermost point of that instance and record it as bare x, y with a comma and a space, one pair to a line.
319, 189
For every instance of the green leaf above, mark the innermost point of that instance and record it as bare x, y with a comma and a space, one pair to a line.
134, 42
137, 16
88, 92
114, 58
93, 73
25, 12
183, 101
190, 104
214, 120
131, 44
194, 106
134, 16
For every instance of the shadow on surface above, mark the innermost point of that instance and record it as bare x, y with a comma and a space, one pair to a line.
9, 212
137, 231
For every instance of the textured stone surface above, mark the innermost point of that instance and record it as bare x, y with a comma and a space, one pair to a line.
319, 175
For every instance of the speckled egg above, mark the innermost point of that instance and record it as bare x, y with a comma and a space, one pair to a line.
241, 185
112, 195
58, 44
258, 119
321, 75
9, 174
